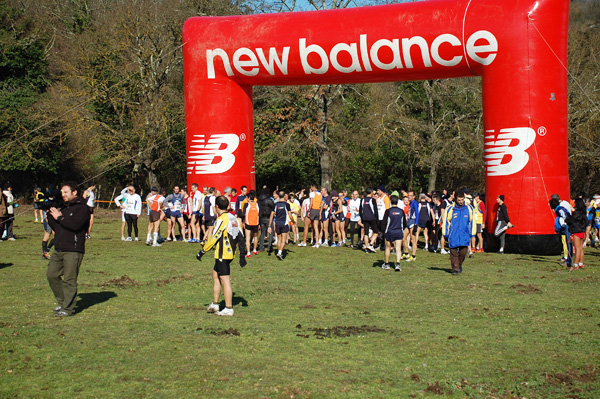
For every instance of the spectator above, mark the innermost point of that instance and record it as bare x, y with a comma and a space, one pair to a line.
459, 227
71, 224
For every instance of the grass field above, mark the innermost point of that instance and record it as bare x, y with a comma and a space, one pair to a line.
323, 323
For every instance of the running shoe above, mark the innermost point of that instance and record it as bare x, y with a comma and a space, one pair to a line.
128, 239
225, 312
248, 255
385, 266
255, 252
398, 268
212, 308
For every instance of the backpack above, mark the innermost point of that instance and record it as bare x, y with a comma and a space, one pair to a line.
252, 212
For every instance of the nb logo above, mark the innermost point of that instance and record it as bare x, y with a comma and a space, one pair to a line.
505, 152
214, 155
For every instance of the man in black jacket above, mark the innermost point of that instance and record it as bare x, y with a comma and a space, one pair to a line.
70, 225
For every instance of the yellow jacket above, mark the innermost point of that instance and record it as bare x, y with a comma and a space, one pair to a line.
220, 239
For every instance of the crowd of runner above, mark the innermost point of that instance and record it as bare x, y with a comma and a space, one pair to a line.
361, 220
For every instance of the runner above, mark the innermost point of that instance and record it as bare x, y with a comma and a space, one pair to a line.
155, 203
91, 203
305, 214
394, 225
209, 211
383, 204
175, 203
316, 202
369, 217
281, 215
251, 213
325, 216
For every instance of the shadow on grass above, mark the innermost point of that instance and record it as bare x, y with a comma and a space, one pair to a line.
449, 270
236, 300
3, 265
93, 298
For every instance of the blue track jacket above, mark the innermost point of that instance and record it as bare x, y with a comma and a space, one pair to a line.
459, 225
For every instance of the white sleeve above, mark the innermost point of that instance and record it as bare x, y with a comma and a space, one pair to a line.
138, 205
118, 200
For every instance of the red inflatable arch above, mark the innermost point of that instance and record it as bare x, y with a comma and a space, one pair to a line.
518, 47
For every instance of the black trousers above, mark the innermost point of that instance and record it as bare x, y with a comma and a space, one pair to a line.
131, 221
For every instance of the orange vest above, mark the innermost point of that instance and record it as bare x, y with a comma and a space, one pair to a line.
316, 201
251, 218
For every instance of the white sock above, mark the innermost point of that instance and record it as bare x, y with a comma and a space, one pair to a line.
155, 237
149, 237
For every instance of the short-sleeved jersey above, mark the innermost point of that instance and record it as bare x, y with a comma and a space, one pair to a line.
197, 200
281, 211
294, 208
395, 221
354, 209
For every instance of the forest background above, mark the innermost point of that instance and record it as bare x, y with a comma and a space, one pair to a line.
92, 90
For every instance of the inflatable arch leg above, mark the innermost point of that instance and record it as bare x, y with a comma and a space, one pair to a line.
518, 47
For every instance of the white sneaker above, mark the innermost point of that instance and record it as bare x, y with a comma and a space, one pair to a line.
137, 239
302, 244
213, 308
128, 239
156, 244
444, 252
225, 312
12, 239
385, 266
122, 238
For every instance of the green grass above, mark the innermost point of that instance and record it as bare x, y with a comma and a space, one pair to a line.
324, 323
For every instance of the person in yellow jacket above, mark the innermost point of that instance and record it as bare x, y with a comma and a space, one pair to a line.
224, 240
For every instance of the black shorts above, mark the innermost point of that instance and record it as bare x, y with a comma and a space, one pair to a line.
208, 222
282, 228
423, 223
154, 216
252, 229
394, 236
91, 208
370, 225
37, 205
222, 267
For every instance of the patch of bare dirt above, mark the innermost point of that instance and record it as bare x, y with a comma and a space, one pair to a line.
435, 388
586, 375
183, 277
525, 289
121, 282
230, 331
345, 331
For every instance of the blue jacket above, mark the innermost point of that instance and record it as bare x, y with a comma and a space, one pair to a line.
459, 225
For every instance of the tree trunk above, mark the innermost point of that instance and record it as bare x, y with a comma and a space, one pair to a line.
323, 145
432, 177
326, 169
152, 179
